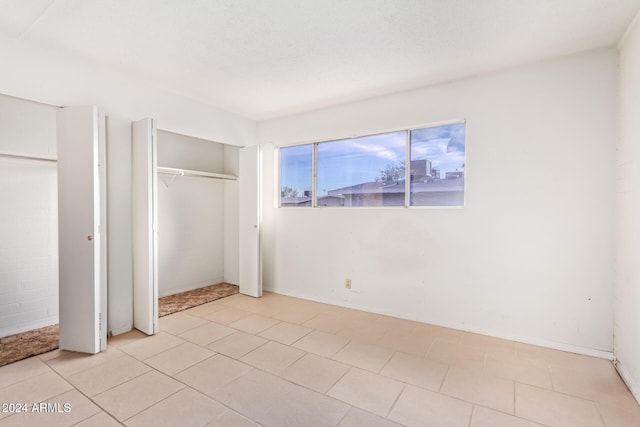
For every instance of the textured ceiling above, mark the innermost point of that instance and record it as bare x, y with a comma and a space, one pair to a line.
269, 58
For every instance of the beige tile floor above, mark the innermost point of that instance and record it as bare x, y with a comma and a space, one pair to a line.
281, 361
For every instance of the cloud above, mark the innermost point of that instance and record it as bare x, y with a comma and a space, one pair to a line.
296, 153
455, 145
444, 146
390, 147
454, 131
429, 149
379, 151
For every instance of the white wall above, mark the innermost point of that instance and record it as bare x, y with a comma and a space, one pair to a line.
48, 74
627, 289
529, 257
28, 218
190, 215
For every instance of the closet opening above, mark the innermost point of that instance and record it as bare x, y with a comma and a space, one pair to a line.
197, 211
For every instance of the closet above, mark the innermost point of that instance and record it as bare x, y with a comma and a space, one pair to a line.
191, 185
28, 218
188, 202
54, 246
181, 212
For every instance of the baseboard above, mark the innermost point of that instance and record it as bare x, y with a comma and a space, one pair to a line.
120, 330
571, 348
24, 327
172, 291
628, 380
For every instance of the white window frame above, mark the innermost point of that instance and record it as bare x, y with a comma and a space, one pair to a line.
407, 193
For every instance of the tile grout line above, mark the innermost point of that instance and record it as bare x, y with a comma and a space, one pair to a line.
258, 369
96, 414
514, 398
277, 376
87, 397
349, 341
326, 393
473, 411
594, 402
395, 401
291, 344
550, 372
155, 403
444, 378
188, 367
85, 369
194, 389
387, 363
344, 416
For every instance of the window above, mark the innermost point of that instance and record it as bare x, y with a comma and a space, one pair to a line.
367, 171
296, 176
372, 170
437, 166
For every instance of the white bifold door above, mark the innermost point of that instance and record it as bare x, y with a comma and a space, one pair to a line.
250, 259
144, 161
82, 242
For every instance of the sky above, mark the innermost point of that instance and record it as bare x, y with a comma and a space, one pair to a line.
354, 161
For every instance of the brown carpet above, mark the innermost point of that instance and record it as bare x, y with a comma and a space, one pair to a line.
27, 344
31, 343
185, 300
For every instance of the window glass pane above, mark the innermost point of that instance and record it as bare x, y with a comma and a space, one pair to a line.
296, 175
437, 166
367, 171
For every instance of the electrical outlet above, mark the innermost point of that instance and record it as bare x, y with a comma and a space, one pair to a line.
347, 284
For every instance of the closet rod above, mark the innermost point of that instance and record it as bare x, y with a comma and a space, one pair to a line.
187, 172
27, 157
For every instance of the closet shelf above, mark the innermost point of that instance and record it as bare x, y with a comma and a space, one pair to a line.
24, 156
187, 172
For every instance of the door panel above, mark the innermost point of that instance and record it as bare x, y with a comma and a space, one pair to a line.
250, 267
81, 226
120, 266
145, 220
